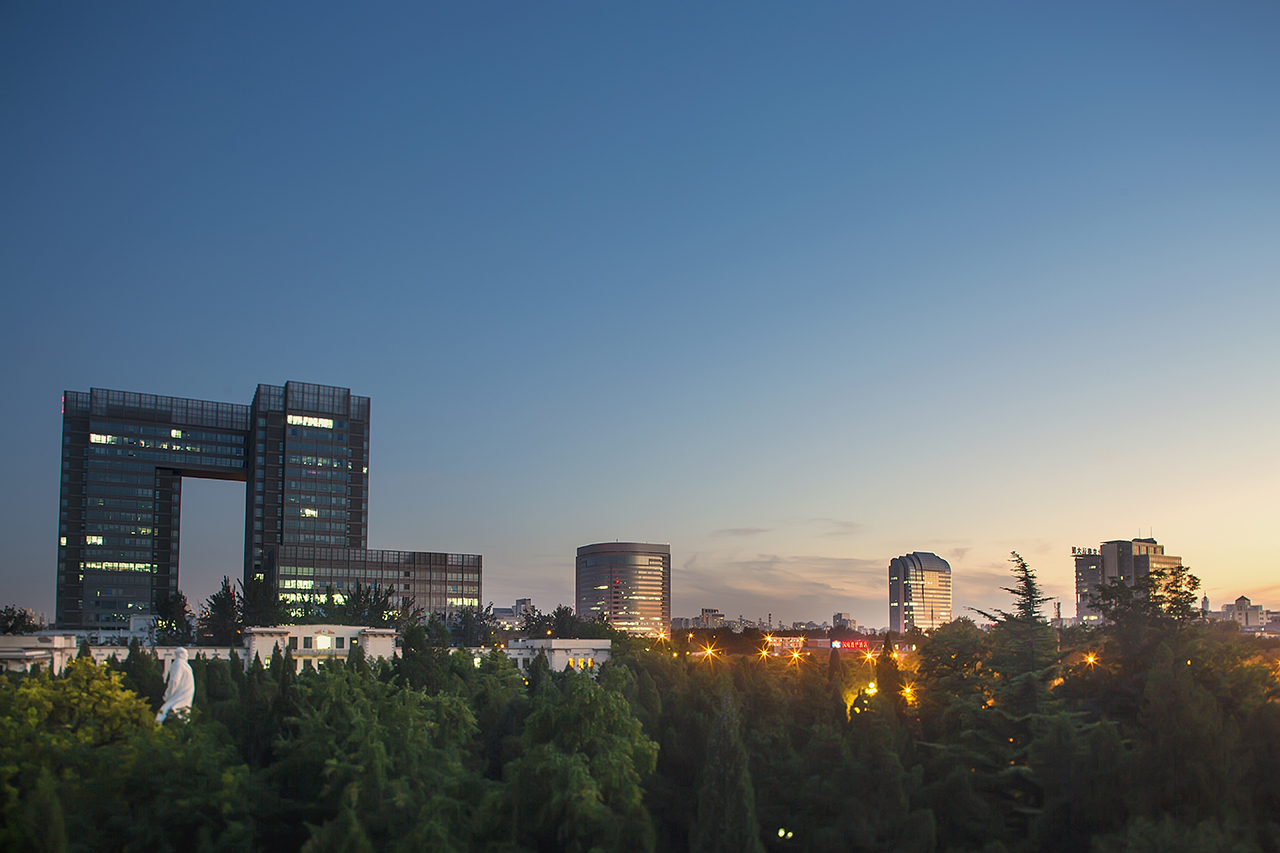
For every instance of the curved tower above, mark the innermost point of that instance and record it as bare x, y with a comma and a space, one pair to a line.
919, 592
626, 583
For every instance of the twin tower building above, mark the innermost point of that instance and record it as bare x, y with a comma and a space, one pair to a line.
302, 452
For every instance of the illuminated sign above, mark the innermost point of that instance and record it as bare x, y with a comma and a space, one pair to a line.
1084, 552
302, 420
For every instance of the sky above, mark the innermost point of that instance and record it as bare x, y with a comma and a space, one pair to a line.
795, 289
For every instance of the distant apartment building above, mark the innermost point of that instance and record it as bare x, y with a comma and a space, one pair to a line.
512, 618
1129, 560
844, 620
628, 584
919, 592
1250, 616
710, 617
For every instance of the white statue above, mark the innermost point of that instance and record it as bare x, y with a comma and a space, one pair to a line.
180, 686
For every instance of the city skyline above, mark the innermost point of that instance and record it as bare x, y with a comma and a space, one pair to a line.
793, 291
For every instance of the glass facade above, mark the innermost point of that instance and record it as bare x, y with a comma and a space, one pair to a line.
309, 478
919, 592
302, 451
436, 582
626, 583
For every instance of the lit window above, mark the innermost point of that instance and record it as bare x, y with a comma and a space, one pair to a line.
301, 420
322, 642
307, 512
175, 433
89, 540
62, 540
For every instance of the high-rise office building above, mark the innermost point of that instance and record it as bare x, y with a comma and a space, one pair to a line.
303, 453
628, 584
1129, 560
919, 592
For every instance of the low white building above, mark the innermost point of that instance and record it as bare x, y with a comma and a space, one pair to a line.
577, 654
164, 654
20, 652
54, 651
317, 643
313, 643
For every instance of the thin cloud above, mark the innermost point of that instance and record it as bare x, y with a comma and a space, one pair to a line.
957, 554
740, 531
802, 585
839, 528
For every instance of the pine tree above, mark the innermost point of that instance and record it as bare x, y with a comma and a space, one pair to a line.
219, 622
726, 821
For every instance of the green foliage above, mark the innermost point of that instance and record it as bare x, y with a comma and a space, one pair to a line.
1153, 732
219, 621
260, 605
472, 626
1025, 642
363, 604
81, 758
563, 624
392, 755
173, 620
726, 821
577, 785
142, 673
18, 620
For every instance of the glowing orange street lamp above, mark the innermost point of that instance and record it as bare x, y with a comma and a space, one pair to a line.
1091, 659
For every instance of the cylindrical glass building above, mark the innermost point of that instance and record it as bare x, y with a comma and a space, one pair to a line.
626, 583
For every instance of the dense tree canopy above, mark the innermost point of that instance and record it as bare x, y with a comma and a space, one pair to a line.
1153, 732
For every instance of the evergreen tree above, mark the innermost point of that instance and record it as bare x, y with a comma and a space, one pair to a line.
173, 620
1025, 641
259, 605
18, 620
577, 786
219, 622
726, 821
472, 626
143, 674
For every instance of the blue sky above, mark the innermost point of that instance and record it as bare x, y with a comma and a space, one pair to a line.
795, 290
